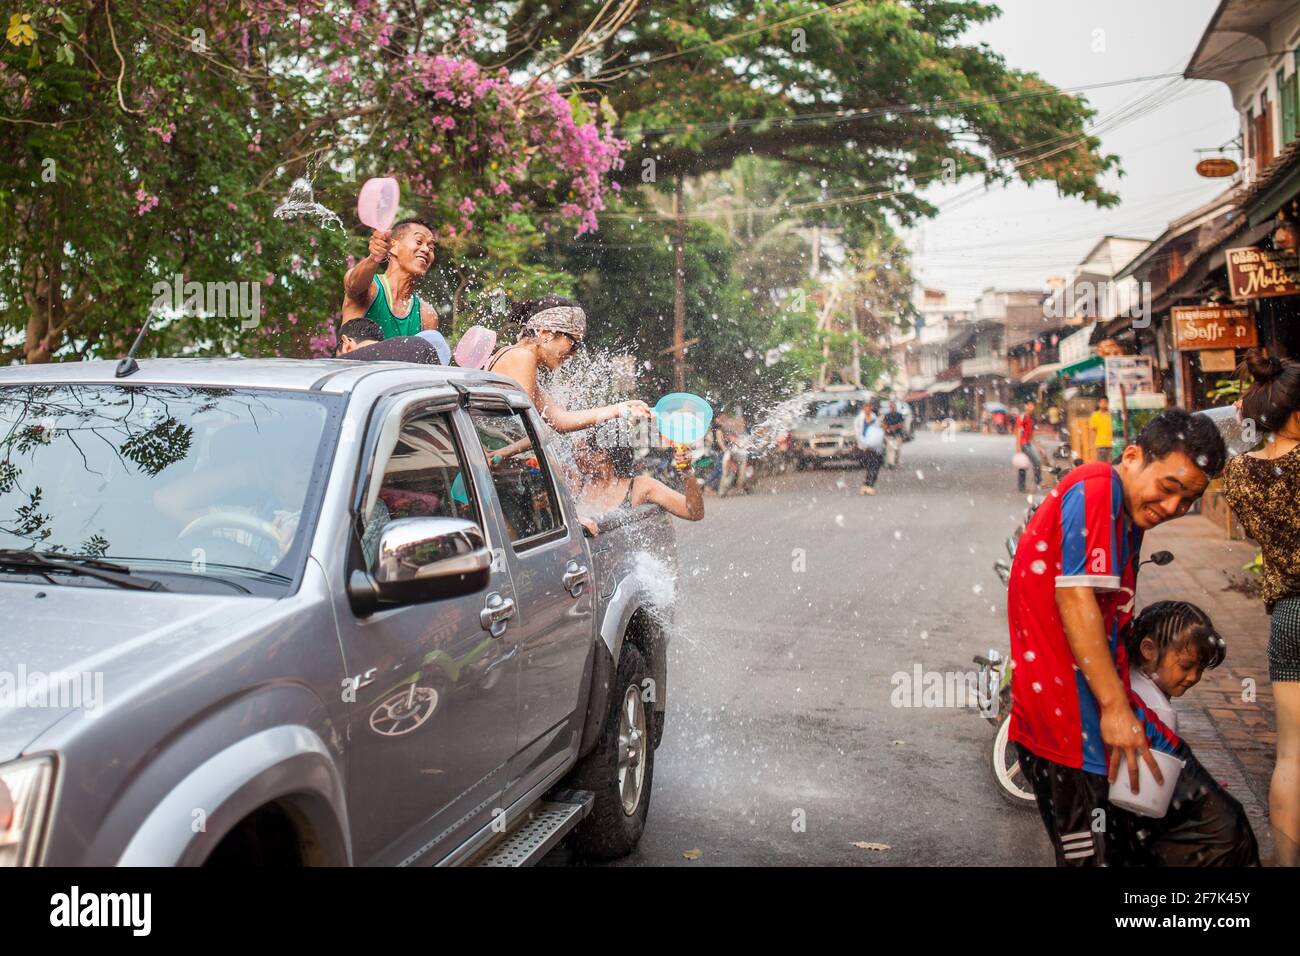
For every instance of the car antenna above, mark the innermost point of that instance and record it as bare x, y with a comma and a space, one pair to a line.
128, 365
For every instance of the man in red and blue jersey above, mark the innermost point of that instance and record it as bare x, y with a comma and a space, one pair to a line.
1069, 600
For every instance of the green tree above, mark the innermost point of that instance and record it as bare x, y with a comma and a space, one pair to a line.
869, 101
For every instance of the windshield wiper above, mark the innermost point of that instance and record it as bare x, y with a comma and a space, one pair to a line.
117, 574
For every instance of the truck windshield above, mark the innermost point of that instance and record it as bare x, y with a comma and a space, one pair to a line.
197, 487
838, 408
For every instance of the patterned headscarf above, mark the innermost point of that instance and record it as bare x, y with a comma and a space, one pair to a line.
567, 319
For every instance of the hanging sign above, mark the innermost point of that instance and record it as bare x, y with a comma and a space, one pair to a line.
1255, 273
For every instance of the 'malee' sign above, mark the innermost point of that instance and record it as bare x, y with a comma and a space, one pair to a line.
1255, 273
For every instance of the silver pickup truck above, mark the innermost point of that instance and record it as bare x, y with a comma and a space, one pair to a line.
275, 612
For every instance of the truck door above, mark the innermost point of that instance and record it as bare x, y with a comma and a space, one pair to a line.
434, 706
552, 578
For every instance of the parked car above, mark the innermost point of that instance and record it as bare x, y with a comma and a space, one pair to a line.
313, 612
825, 431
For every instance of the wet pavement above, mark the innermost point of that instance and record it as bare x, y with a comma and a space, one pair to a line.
797, 605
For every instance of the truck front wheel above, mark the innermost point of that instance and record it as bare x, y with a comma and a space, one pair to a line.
620, 770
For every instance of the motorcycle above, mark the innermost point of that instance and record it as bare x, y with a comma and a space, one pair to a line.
993, 688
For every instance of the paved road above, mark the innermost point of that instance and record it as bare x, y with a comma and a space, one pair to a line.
780, 697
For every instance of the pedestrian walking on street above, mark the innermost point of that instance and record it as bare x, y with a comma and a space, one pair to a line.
1025, 443
894, 424
1263, 488
1069, 599
1099, 423
871, 443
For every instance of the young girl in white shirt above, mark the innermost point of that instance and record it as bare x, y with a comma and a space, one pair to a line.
1170, 645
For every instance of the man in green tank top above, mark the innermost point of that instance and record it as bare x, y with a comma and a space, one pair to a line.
388, 298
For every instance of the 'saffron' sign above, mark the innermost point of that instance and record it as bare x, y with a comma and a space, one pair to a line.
1214, 327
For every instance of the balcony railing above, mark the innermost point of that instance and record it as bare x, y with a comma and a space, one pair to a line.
986, 365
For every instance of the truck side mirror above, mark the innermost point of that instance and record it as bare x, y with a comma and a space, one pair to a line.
420, 560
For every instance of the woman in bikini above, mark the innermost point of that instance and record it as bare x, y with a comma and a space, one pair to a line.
553, 330
608, 483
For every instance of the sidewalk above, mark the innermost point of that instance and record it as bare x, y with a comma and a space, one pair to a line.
1233, 735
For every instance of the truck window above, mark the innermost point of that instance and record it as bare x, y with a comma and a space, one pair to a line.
519, 472
424, 478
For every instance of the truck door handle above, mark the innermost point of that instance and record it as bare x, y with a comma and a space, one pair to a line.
496, 613
575, 576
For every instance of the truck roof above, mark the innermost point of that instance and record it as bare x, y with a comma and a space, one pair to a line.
332, 376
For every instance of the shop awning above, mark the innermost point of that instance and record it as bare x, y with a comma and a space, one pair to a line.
940, 388
1089, 376
1042, 373
1083, 367
916, 396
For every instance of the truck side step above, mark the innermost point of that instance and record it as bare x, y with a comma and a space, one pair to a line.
544, 827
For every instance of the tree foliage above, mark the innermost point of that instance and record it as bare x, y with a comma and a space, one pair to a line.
148, 139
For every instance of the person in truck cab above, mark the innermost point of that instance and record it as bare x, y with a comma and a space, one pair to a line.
362, 340
256, 503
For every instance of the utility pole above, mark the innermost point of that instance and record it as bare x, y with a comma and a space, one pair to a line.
679, 288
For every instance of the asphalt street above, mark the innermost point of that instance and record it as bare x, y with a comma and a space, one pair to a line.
796, 606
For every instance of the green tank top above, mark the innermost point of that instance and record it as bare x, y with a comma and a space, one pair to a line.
382, 314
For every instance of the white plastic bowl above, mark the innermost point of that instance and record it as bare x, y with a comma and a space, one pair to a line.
1152, 799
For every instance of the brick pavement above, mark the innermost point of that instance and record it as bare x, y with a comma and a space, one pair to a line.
1228, 718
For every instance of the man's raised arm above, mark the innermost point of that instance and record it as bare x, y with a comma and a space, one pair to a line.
356, 283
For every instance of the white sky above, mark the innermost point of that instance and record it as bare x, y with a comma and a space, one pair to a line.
1018, 236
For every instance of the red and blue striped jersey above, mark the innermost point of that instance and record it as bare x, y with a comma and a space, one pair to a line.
1080, 536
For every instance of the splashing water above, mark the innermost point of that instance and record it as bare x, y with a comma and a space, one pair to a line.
301, 203
778, 419
590, 379
659, 578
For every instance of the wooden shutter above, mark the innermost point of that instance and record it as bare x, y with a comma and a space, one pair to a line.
1263, 139
1290, 94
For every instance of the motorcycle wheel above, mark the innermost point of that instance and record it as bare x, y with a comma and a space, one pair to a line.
1007, 773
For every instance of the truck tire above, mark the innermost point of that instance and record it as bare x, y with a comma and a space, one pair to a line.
620, 770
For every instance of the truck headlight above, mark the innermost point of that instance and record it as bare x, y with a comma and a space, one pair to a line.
25, 787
